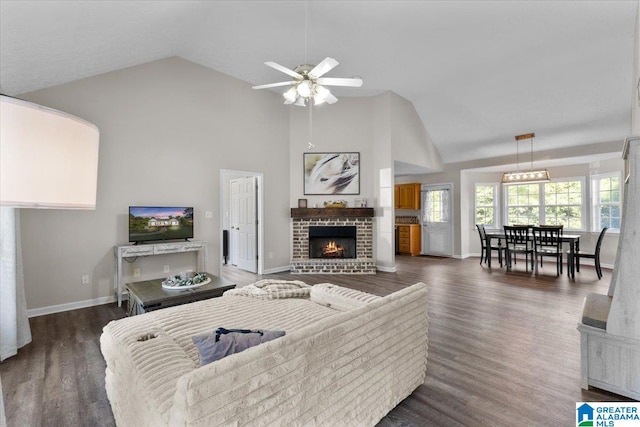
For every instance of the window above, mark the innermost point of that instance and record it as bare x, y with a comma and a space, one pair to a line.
523, 204
436, 206
563, 204
486, 204
551, 203
606, 199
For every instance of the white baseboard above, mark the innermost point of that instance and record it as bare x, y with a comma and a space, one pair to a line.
589, 261
34, 312
277, 269
386, 269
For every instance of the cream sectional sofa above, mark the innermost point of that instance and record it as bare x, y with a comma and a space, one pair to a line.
334, 368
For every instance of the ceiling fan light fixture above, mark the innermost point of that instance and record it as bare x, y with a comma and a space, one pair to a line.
300, 102
304, 88
321, 95
290, 95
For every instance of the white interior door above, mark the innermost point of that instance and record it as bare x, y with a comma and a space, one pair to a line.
437, 219
244, 223
234, 212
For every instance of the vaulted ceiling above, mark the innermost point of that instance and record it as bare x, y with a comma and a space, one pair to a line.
478, 72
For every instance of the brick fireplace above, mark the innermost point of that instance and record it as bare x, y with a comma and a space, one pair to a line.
324, 222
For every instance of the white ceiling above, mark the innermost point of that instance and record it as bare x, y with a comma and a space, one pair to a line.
478, 72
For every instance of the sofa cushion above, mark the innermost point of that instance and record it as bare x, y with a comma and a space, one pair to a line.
224, 342
340, 298
595, 311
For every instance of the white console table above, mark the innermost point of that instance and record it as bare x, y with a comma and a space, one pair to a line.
131, 251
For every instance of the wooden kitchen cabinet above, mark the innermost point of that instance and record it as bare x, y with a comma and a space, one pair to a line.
409, 239
407, 196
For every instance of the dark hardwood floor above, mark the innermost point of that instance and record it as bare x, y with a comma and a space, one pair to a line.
503, 349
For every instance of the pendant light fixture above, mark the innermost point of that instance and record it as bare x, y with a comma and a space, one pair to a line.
531, 175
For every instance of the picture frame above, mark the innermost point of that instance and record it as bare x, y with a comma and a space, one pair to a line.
331, 173
302, 203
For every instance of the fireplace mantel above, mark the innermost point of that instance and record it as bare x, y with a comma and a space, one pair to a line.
322, 213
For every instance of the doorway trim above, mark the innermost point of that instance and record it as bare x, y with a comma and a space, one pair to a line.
226, 175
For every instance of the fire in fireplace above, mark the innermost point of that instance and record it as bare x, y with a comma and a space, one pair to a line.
332, 242
332, 250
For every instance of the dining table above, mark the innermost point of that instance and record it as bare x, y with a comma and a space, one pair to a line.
573, 240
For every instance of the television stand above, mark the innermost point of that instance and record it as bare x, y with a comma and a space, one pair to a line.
163, 248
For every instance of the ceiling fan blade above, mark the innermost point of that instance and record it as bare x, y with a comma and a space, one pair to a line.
284, 70
275, 85
336, 81
323, 67
331, 99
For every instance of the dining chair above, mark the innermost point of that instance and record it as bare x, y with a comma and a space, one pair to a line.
548, 244
595, 255
552, 226
519, 241
530, 231
486, 250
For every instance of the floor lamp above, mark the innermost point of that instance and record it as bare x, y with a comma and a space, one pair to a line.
48, 159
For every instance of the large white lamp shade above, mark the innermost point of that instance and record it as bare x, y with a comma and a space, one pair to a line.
49, 159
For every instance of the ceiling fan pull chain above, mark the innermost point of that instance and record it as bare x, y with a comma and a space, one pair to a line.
310, 145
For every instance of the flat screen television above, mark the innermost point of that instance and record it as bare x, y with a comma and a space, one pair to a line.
150, 223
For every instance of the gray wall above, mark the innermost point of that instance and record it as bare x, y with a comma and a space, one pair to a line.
410, 141
343, 126
167, 128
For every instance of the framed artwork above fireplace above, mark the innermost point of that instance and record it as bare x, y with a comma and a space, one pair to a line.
331, 173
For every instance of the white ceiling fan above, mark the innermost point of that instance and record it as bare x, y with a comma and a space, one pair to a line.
308, 82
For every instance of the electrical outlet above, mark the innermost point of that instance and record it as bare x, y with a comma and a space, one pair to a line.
136, 272
208, 214
85, 279
270, 255
166, 269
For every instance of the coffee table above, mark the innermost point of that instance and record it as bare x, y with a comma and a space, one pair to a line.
149, 295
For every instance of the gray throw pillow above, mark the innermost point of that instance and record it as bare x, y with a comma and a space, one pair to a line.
224, 342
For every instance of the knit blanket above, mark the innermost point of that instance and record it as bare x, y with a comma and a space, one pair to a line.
273, 289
